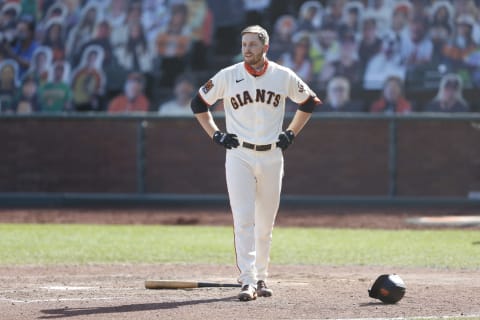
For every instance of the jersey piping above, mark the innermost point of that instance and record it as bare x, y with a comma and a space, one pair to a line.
254, 72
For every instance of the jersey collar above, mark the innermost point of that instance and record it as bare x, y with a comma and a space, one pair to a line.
254, 72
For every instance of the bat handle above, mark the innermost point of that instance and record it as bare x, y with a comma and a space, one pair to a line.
213, 284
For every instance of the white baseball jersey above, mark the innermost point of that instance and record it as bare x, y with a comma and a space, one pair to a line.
255, 105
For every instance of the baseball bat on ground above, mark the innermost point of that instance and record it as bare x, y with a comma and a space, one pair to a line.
178, 284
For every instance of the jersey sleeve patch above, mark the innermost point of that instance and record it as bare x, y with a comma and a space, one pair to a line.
297, 90
207, 86
300, 87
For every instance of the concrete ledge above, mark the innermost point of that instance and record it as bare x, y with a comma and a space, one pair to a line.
446, 221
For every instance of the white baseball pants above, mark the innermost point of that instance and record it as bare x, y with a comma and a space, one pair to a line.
254, 182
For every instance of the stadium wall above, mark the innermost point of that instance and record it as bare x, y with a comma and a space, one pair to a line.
335, 155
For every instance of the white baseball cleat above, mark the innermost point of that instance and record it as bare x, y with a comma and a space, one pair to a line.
248, 293
262, 290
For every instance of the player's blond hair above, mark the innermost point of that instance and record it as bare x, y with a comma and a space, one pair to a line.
258, 30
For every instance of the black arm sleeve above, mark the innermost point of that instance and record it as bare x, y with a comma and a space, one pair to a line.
198, 105
309, 104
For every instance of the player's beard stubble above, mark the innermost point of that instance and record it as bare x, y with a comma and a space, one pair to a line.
256, 61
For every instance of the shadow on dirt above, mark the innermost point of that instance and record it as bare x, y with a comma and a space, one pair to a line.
74, 312
369, 304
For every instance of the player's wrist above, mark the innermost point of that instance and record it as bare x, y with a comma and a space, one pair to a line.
216, 135
219, 137
285, 139
290, 133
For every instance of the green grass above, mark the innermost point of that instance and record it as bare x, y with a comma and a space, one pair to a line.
81, 244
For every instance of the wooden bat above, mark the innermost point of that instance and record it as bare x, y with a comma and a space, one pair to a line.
178, 284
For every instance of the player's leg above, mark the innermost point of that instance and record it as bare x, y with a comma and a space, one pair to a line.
241, 185
269, 184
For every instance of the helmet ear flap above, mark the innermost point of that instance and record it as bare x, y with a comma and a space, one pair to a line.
374, 292
388, 288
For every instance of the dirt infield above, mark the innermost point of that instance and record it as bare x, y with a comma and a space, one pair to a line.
300, 291
307, 216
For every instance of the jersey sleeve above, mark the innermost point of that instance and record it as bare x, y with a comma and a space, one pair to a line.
298, 91
213, 89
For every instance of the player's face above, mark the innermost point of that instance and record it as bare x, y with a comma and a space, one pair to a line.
253, 50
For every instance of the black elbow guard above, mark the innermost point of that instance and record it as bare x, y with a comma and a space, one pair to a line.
309, 104
198, 105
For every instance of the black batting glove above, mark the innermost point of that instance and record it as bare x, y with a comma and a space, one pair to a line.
226, 140
285, 139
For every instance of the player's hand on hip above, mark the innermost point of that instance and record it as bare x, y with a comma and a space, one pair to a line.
285, 139
227, 140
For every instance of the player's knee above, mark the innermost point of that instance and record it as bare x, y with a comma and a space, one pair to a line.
264, 235
244, 224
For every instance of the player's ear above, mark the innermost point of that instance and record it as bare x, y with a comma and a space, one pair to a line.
265, 48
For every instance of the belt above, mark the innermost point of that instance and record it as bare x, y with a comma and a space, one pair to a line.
257, 147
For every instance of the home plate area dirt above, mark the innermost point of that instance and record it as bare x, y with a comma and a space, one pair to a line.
300, 291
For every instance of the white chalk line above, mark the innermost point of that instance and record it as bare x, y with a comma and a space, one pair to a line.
60, 288
470, 316
58, 299
68, 288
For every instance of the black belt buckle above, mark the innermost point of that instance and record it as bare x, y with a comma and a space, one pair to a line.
264, 147
248, 145
258, 147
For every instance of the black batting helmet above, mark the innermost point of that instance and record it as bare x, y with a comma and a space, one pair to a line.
388, 288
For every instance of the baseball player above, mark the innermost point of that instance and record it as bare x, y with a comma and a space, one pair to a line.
254, 93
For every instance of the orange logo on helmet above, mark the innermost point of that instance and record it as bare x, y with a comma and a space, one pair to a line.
384, 292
